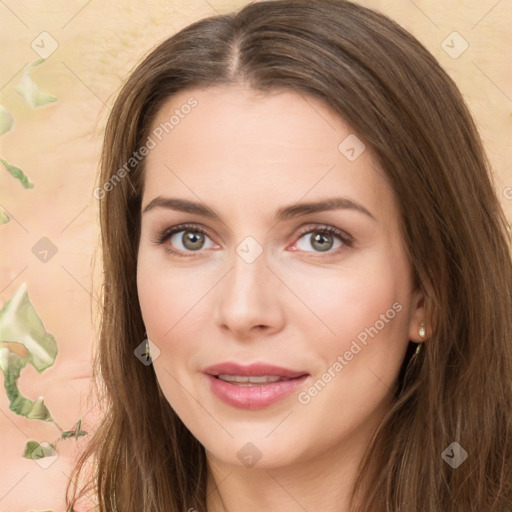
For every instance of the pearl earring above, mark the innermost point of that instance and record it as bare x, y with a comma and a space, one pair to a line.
422, 330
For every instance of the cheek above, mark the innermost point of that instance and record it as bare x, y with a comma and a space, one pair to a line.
369, 308
360, 295
363, 315
357, 364
169, 297
171, 310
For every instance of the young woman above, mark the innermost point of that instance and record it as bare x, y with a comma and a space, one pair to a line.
300, 233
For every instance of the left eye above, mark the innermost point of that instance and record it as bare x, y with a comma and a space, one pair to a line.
324, 239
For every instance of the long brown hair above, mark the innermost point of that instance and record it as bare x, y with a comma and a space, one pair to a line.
397, 98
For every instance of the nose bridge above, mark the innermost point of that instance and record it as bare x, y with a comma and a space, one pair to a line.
247, 296
249, 275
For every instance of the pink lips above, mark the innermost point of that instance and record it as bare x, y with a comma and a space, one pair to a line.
236, 390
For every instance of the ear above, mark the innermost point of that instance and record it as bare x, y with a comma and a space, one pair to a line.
418, 315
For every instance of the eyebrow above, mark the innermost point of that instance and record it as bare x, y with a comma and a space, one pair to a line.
282, 214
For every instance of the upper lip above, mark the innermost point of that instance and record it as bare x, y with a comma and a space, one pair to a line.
254, 369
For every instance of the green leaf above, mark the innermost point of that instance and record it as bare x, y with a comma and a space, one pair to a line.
20, 323
31, 92
39, 411
11, 365
23, 339
4, 217
34, 450
6, 120
37, 62
78, 432
18, 174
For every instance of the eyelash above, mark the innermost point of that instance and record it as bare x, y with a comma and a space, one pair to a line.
318, 228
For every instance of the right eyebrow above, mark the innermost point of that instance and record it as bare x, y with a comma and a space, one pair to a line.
181, 205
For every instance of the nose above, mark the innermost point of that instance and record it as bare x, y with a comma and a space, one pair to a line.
248, 300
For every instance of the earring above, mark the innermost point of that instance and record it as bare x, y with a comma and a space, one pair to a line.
422, 330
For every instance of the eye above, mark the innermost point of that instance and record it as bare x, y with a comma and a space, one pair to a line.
323, 239
184, 239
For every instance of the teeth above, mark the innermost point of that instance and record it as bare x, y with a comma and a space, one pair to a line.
250, 379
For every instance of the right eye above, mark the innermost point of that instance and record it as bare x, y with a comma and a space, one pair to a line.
191, 237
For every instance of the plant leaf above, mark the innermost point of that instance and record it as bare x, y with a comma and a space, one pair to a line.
39, 411
34, 450
18, 174
31, 92
6, 120
11, 365
20, 323
23, 339
37, 62
78, 432
4, 217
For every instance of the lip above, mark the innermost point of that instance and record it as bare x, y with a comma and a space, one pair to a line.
256, 396
254, 369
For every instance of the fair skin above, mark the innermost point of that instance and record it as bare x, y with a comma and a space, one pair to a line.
297, 306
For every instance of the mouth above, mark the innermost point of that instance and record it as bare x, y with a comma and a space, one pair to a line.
254, 386
259, 370
242, 380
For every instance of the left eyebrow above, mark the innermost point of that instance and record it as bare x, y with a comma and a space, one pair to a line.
282, 214
334, 203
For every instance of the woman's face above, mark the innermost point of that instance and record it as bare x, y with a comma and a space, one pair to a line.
307, 328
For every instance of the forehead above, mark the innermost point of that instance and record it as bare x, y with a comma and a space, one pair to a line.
225, 139
277, 120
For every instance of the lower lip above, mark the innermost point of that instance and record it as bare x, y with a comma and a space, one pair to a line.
254, 397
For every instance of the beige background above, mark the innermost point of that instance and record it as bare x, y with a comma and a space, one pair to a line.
58, 147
